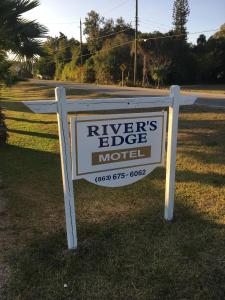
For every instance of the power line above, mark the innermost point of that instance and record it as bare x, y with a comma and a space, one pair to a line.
102, 50
113, 47
77, 22
153, 22
101, 37
61, 23
151, 38
177, 35
113, 33
115, 7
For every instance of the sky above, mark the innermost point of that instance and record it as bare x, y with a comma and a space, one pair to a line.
64, 15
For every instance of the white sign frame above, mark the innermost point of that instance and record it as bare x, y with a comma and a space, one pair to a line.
62, 107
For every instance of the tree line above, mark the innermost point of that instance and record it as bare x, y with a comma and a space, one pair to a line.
163, 58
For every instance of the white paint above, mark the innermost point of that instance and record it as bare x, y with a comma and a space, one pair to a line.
61, 106
171, 152
66, 168
87, 105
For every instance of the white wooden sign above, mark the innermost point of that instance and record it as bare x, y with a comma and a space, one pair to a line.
80, 143
116, 150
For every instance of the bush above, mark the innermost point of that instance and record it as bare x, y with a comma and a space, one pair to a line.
3, 129
78, 74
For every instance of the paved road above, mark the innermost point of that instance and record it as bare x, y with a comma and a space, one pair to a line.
209, 99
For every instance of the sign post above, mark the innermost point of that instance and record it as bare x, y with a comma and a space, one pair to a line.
171, 152
123, 68
66, 168
114, 150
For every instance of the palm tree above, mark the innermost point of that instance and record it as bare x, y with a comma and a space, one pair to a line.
19, 35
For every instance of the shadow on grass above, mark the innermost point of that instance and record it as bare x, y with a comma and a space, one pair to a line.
203, 140
37, 134
201, 109
78, 92
130, 258
14, 106
131, 255
210, 178
206, 158
29, 84
203, 124
28, 162
31, 121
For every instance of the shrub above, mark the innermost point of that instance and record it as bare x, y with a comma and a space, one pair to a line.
3, 129
79, 74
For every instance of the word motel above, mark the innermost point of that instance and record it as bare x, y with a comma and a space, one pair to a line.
122, 155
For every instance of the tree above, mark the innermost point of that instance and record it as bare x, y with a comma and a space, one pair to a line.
107, 29
216, 56
19, 35
45, 67
201, 41
210, 58
181, 12
159, 69
182, 70
143, 52
70, 70
107, 61
201, 59
92, 24
121, 25
4, 68
58, 52
220, 33
63, 54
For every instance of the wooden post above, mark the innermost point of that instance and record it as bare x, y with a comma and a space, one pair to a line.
171, 152
66, 167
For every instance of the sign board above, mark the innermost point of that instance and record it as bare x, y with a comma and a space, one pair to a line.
123, 67
117, 150
114, 150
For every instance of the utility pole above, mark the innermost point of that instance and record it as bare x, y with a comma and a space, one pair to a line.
136, 43
81, 44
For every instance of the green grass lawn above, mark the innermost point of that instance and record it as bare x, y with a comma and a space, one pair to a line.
205, 88
125, 248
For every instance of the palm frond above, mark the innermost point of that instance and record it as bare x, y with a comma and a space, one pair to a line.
23, 6
16, 32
